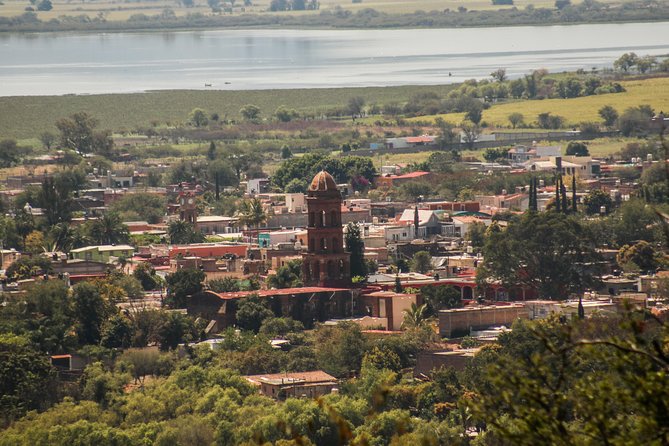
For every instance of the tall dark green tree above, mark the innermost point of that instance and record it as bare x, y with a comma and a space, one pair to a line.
90, 310
27, 380
182, 284
547, 251
56, 202
356, 246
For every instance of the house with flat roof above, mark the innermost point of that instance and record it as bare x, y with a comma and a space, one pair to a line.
103, 253
294, 385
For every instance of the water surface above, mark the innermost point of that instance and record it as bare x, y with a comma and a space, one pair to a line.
64, 63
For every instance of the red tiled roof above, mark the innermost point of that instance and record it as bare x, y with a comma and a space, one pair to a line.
416, 174
417, 139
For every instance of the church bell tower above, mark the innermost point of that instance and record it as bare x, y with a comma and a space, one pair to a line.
187, 208
325, 264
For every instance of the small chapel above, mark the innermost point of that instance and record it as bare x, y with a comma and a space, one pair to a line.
326, 263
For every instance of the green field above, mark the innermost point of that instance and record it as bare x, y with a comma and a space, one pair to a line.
27, 116
653, 92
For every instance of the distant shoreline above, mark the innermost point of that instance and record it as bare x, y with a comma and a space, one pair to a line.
333, 20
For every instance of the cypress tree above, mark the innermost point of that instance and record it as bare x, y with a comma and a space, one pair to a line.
563, 191
573, 194
557, 193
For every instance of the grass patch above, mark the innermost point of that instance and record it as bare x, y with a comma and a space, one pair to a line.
654, 92
28, 116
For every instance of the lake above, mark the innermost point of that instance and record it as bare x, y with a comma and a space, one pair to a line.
84, 63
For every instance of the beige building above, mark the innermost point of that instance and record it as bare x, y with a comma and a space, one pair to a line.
294, 385
461, 321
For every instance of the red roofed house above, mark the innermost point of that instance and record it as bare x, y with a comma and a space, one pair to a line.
388, 181
207, 250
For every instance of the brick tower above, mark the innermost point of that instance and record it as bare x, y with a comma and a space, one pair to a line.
326, 263
187, 208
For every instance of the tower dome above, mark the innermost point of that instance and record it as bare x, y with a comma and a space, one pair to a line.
323, 182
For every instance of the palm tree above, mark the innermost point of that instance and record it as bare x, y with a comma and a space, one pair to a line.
182, 233
414, 317
109, 230
251, 213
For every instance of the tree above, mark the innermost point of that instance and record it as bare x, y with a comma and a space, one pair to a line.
516, 119
181, 284
440, 297
176, 329
56, 201
90, 310
9, 152
252, 213
493, 155
184, 233
446, 134
561, 4
471, 133
355, 106
224, 285
414, 190
47, 139
27, 380
474, 112
596, 200
548, 251
421, 262
575, 148
286, 153
476, 235
280, 326
108, 230
499, 75
251, 312
641, 254
34, 243
287, 276
356, 247
44, 5
634, 121
415, 317
198, 117
76, 132
116, 332
538, 389
250, 112
146, 274
548, 121
609, 115
625, 62
284, 114
646, 63
146, 206
340, 348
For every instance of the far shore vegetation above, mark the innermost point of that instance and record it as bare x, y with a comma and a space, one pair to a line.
48, 15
